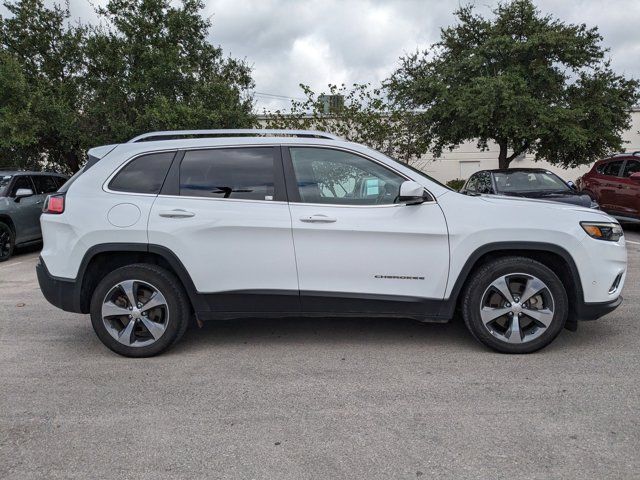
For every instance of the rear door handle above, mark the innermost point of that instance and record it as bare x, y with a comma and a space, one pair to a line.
177, 213
318, 218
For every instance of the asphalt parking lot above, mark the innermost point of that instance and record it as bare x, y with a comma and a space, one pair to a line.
323, 398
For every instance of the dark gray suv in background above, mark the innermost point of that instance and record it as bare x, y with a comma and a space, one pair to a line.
21, 197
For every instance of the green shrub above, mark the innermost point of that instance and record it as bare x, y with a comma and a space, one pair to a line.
456, 184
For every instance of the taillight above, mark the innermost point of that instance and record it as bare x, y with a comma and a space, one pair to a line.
54, 204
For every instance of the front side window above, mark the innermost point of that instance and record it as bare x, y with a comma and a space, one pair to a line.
341, 178
472, 184
44, 184
144, 174
631, 167
612, 169
21, 182
484, 183
235, 173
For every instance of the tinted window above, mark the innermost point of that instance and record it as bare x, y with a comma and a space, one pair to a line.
22, 181
631, 167
236, 173
5, 180
143, 175
612, 169
472, 184
484, 183
337, 177
44, 184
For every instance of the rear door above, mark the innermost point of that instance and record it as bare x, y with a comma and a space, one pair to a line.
223, 213
357, 249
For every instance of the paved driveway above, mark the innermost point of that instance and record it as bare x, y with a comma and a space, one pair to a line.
297, 399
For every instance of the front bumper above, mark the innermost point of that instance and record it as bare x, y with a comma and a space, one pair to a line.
593, 311
60, 292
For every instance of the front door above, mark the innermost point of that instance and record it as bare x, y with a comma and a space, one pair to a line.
357, 249
228, 222
26, 211
628, 195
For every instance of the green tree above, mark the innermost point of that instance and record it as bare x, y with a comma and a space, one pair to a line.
364, 116
151, 67
526, 81
41, 70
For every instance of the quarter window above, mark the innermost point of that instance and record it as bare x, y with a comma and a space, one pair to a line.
235, 173
145, 174
612, 169
335, 177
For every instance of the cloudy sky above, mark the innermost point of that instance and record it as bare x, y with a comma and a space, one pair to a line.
317, 42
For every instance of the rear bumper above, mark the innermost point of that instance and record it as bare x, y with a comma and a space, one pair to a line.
60, 292
593, 311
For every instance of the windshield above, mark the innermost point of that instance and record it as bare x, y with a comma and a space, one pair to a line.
519, 182
4, 184
420, 172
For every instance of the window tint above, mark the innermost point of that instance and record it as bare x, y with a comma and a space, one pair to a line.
612, 169
484, 183
632, 166
44, 184
143, 175
472, 184
22, 181
236, 173
336, 177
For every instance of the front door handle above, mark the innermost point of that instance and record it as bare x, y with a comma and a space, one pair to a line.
318, 218
177, 213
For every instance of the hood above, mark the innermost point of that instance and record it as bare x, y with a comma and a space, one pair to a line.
538, 203
573, 198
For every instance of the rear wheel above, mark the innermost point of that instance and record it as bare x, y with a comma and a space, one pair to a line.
515, 305
7, 242
139, 310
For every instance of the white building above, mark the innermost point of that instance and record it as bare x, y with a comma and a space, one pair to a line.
467, 159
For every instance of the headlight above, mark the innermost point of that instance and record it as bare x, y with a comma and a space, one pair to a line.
603, 230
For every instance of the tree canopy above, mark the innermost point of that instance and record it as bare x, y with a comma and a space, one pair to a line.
526, 81
364, 115
148, 65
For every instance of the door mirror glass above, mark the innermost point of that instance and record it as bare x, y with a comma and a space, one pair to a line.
23, 192
572, 185
411, 192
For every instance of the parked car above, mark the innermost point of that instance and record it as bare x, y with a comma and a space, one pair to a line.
274, 223
615, 184
526, 182
21, 197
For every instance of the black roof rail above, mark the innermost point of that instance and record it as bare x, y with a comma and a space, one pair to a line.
173, 134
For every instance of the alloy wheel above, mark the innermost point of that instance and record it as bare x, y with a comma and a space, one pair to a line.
135, 313
517, 308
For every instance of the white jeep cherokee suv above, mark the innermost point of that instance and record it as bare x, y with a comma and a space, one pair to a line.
226, 224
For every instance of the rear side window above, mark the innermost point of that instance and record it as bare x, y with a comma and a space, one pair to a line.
44, 184
631, 167
612, 169
236, 173
145, 174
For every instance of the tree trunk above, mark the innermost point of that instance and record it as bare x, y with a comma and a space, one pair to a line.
503, 160
73, 161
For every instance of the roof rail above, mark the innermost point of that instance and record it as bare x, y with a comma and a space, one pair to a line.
172, 134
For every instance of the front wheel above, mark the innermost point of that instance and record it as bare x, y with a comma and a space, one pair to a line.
139, 310
515, 305
7, 242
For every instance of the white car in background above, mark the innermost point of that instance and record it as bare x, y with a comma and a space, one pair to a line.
243, 223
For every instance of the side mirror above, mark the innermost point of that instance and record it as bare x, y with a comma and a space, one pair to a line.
635, 177
22, 193
572, 185
411, 193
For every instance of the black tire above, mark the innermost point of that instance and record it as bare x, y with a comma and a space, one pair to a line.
474, 297
167, 284
7, 242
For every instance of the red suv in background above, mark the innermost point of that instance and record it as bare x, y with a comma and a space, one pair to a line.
615, 184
